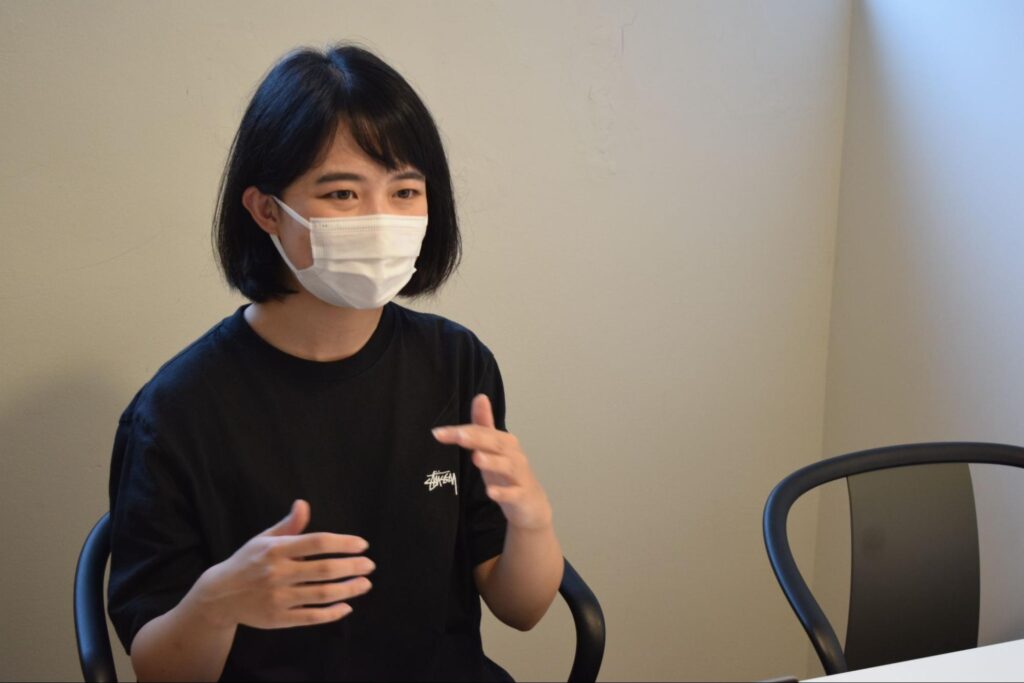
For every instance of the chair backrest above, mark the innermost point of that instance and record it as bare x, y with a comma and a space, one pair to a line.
97, 660
895, 552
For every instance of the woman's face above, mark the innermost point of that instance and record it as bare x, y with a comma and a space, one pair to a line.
347, 182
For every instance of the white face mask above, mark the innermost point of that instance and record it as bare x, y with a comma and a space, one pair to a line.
358, 261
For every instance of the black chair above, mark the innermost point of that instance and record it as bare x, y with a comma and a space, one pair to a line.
97, 660
94, 652
915, 579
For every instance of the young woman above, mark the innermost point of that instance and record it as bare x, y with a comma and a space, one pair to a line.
321, 487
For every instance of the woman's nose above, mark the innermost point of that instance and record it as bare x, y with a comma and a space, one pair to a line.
376, 203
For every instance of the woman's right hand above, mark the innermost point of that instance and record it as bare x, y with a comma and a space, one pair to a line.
265, 584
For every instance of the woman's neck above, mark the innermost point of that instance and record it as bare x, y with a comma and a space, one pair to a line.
301, 325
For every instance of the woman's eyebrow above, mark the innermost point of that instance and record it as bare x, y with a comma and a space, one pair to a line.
333, 177
355, 177
409, 175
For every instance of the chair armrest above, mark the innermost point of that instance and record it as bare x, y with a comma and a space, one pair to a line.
94, 652
590, 627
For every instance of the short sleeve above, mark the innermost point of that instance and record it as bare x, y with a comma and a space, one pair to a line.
485, 520
156, 547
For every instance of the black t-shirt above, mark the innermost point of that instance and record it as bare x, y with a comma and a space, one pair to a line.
213, 450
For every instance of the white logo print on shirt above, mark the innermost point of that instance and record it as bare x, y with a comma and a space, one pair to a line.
438, 478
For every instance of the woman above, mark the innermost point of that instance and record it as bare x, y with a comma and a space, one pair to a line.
375, 431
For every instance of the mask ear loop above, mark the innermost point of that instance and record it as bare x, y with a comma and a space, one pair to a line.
277, 240
291, 212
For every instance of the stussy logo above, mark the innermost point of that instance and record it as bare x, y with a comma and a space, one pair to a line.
438, 478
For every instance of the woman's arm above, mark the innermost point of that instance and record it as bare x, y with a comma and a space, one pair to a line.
182, 645
520, 584
265, 584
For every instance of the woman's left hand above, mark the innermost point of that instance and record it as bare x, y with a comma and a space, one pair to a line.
506, 472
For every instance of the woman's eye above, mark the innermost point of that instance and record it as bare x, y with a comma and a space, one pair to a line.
407, 193
341, 194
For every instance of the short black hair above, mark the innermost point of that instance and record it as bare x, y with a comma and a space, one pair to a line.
291, 120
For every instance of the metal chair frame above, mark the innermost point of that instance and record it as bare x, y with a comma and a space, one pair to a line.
776, 511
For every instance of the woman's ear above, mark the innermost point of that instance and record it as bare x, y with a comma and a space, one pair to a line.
263, 209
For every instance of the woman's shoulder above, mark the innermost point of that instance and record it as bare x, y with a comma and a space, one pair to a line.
446, 336
182, 378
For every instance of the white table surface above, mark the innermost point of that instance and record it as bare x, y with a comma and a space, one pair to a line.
1002, 662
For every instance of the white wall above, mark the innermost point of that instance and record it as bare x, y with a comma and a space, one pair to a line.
648, 192
927, 317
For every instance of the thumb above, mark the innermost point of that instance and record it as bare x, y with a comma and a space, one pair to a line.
294, 523
481, 411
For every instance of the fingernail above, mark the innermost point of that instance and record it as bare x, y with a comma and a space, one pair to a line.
439, 432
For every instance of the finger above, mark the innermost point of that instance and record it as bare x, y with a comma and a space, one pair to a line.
320, 543
327, 593
504, 494
492, 479
315, 615
481, 411
293, 523
476, 438
495, 464
330, 570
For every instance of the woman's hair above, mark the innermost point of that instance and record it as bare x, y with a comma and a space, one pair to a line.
291, 122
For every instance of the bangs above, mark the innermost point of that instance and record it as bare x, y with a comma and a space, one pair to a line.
385, 139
